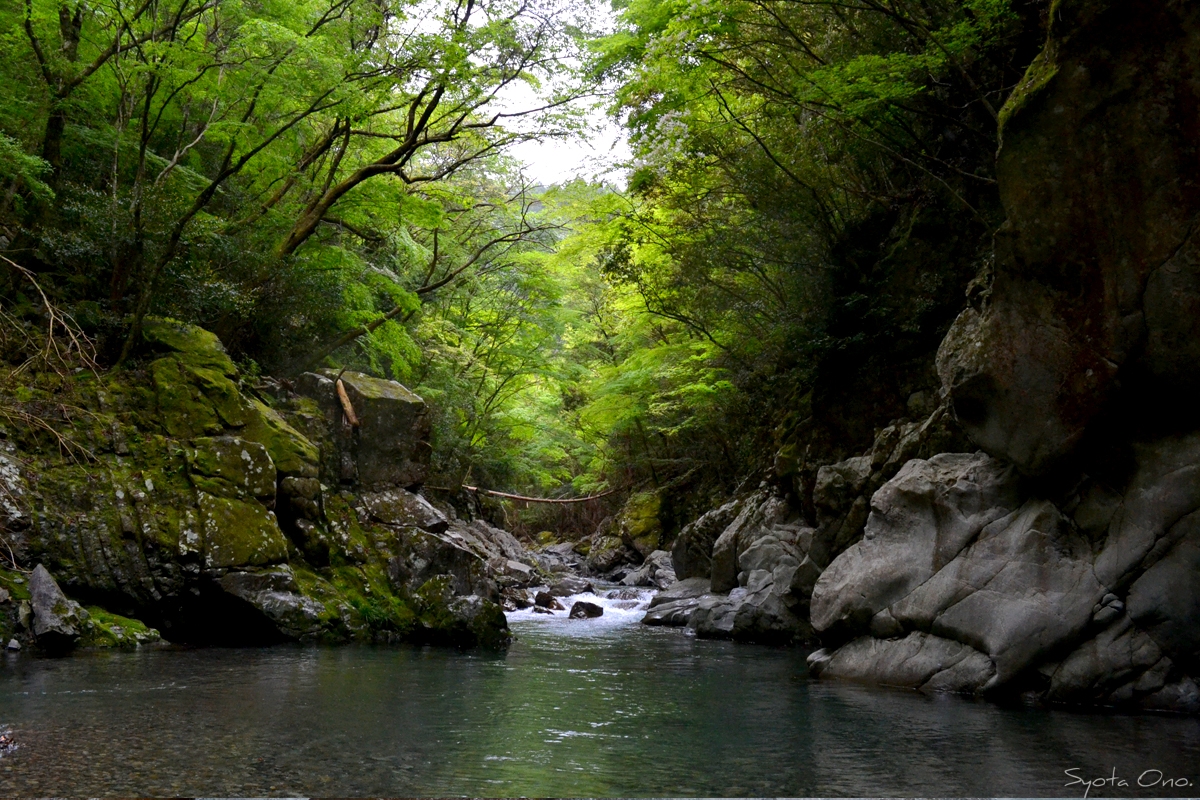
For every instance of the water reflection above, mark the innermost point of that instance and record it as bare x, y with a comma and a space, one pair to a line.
576, 707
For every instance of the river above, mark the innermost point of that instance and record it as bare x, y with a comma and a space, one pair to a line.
602, 707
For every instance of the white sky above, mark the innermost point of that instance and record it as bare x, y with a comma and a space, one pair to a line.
598, 155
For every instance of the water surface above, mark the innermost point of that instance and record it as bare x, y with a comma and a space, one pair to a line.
601, 707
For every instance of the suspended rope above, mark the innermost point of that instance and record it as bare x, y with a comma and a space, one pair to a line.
525, 499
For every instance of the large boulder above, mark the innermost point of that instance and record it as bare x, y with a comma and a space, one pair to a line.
919, 661
655, 571
965, 582
641, 524
919, 522
1097, 268
208, 512
389, 448
691, 554
760, 611
57, 621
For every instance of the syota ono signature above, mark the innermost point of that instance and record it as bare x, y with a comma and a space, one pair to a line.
1151, 778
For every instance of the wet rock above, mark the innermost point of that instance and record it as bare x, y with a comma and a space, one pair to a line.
56, 621
691, 554
817, 661
513, 599
276, 596
400, 507
584, 610
13, 646
680, 590
674, 605
547, 601
470, 621
655, 571
543, 610
675, 613
918, 661
570, 585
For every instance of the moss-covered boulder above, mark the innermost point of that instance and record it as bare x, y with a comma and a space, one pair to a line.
105, 629
238, 533
447, 618
188, 501
641, 522
227, 466
390, 446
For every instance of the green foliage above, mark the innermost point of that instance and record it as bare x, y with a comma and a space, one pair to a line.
323, 184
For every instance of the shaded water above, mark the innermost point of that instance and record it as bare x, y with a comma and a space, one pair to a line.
576, 707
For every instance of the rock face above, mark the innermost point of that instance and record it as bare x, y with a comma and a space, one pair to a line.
1079, 582
391, 445
1097, 272
219, 518
963, 582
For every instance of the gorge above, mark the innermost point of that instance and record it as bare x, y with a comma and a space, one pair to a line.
887, 442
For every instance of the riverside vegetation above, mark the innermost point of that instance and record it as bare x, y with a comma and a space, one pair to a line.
884, 343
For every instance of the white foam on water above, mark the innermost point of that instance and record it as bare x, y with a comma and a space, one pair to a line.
617, 613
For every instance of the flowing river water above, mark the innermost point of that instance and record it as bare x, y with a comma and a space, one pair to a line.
602, 707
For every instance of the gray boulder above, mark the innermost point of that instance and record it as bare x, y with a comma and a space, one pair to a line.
673, 606
917, 661
760, 514
584, 610
570, 585
276, 595
391, 445
757, 612
400, 507
691, 554
57, 622
1023, 590
920, 521
655, 571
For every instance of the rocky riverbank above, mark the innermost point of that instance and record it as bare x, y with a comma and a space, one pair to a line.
1037, 534
191, 502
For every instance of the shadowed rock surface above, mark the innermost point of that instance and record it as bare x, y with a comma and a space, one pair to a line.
222, 519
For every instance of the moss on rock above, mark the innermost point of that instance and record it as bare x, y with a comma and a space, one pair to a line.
292, 453
238, 533
105, 629
202, 347
227, 466
640, 522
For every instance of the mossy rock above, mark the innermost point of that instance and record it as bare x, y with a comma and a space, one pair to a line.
202, 347
105, 629
640, 522
292, 453
239, 533
459, 621
227, 466
195, 400
183, 409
